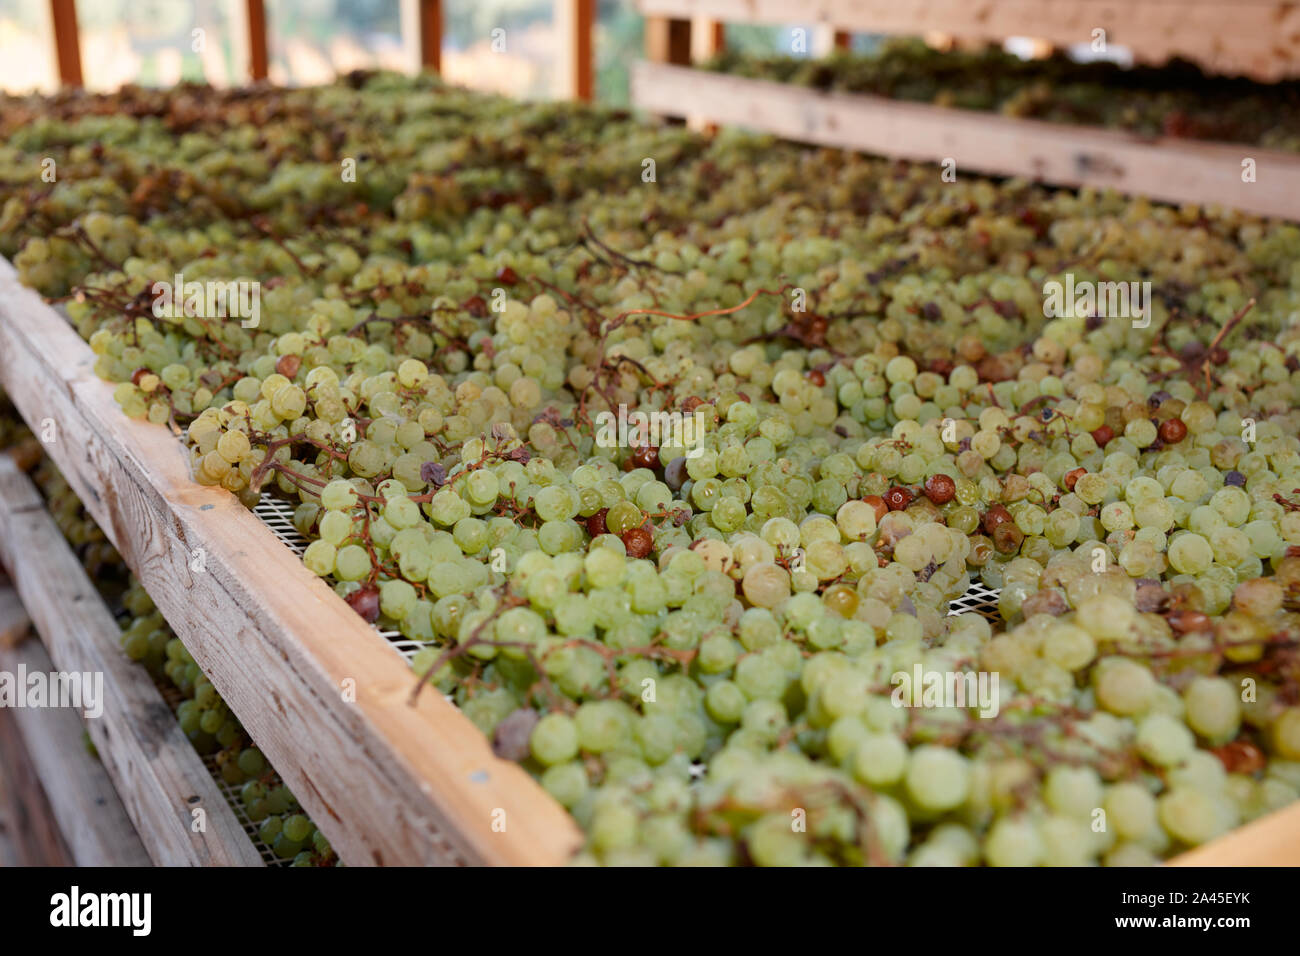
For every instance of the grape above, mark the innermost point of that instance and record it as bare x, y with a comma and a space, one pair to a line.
937, 779
319, 558
554, 739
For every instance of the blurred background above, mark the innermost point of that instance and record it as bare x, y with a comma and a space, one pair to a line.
160, 42
506, 46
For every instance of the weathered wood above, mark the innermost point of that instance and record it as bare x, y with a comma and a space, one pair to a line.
159, 776
14, 623
323, 694
95, 827
31, 832
1167, 169
1261, 37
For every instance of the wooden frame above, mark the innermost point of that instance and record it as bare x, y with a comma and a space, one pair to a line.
1261, 37
158, 774
85, 807
323, 694
1172, 170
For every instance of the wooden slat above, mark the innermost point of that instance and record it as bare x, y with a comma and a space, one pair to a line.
1171, 170
1273, 840
86, 808
388, 782
1255, 36
30, 829
14, 623
158, 774
255, 19
67, 41
575, 22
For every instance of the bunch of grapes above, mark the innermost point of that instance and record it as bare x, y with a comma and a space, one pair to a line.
698, 634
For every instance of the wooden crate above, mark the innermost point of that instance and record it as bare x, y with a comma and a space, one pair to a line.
1172, 170
321, 692
1256, 37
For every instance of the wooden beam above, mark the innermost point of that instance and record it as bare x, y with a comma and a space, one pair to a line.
325, 696
1166, 169
668, 40
1260, 37
158, 774
31, 830
575, 23
67, 41
87, 810
258, 60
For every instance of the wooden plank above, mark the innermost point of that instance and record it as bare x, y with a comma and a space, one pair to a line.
86, 808
574, 22
30, 828
1171, 170
9, 855
1272, 840
14, 623
1255, 36
67, 41
158, 774
323, 694
255, 21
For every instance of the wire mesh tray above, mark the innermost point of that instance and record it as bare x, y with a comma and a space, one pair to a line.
277, 514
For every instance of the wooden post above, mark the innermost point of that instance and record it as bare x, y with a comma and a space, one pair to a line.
422, 33
257, 59
67, 44
574, 22
708, 38
668, 40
